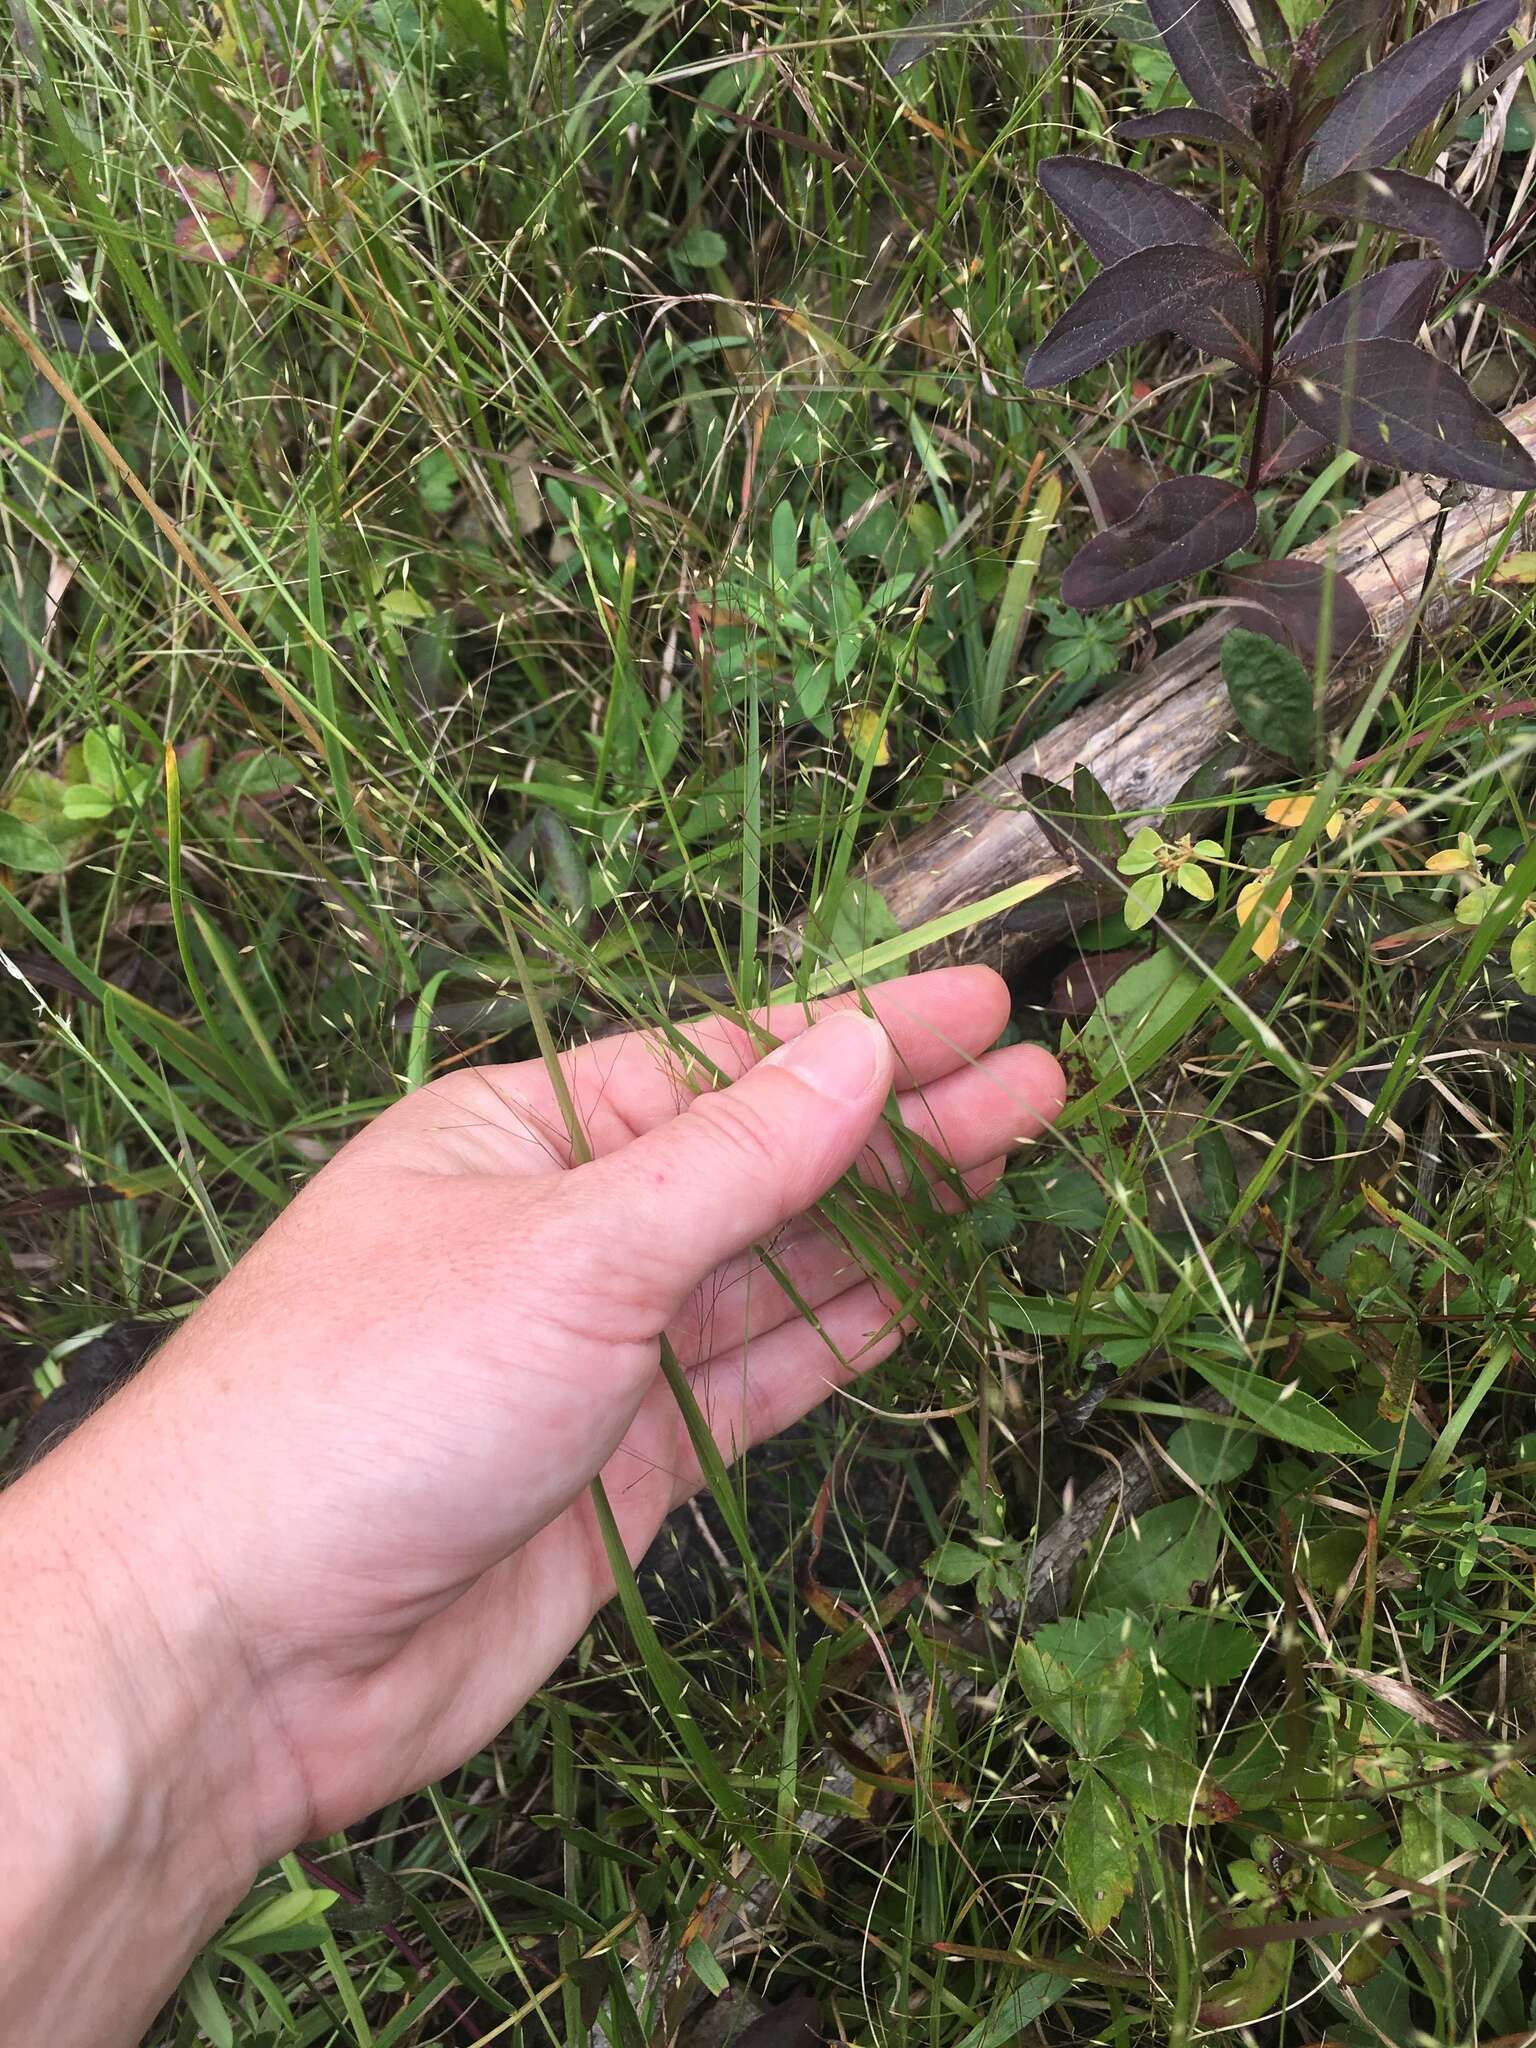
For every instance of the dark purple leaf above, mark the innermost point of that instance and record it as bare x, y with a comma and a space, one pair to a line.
1274, 34
1120, 482
1346, 20
1393, 403
1290, 600
1386, 107
1080, 823
795, 2022
1290, 450
1511, 304
1211, 55
1414, 206
1187, 524
1186, 124
1118, 212
1205, 295
1077, 990
1340, 38
937, 23
1393, 302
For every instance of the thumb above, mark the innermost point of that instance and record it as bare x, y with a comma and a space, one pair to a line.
741, 1161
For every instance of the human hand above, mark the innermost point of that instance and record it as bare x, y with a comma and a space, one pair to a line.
349, 1500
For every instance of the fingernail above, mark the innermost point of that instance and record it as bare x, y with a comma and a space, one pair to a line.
839, 1057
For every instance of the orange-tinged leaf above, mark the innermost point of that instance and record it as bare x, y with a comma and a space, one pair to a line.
1290, 813
195, 186
209, 241
251, 193
1265, 941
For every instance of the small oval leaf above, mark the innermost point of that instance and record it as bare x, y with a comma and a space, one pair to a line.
1182, 526
1270, 694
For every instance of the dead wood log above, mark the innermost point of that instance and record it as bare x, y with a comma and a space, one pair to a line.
1145, 737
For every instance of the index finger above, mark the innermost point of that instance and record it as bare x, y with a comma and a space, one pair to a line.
936, 1022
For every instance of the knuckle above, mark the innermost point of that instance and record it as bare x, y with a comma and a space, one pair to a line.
740, 1130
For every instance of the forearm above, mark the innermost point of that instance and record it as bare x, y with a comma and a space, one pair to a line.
126, 1807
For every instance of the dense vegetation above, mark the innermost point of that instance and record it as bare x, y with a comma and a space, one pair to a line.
503, 508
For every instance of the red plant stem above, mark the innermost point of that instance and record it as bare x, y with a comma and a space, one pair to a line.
1269, 251
406, 1952
1516, 707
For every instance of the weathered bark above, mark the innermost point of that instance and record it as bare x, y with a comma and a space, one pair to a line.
1145, 738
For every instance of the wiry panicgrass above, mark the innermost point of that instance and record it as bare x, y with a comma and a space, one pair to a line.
531, 546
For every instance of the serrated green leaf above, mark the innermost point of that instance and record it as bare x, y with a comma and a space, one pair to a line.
1205, 1649
1284, 1412
1154, 1560
1090, 1714
1087, 1644
1166, 1786
1096, 1854
1270, 693
955, 1564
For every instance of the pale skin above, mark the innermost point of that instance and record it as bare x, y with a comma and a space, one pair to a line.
340, 1528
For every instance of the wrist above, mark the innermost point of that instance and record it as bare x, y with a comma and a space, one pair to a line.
142, 1792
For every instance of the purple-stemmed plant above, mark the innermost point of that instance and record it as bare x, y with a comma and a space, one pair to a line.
1314, 130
